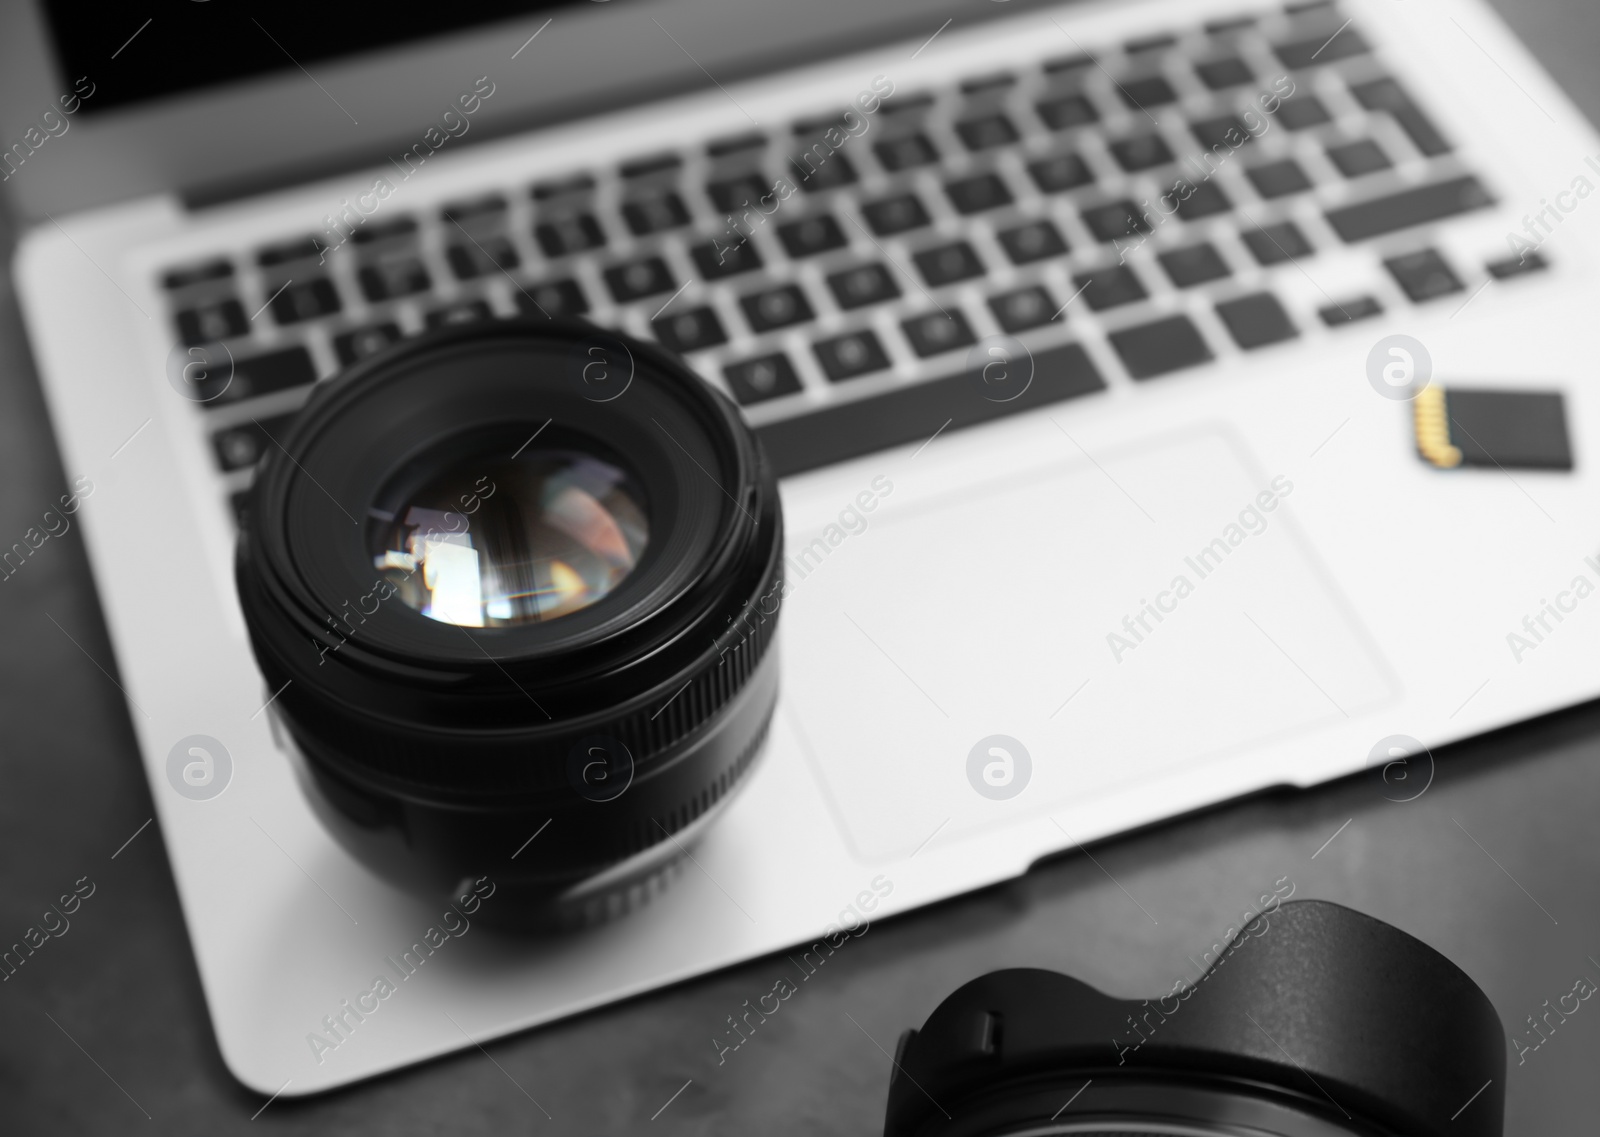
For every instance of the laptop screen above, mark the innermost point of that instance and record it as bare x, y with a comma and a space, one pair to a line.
167, 47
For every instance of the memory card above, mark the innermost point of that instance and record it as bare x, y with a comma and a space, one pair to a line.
1509, 430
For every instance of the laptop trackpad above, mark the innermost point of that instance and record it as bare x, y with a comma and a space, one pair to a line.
1119, 620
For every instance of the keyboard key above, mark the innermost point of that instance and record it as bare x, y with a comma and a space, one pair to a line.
851, 355
777, 308
1157, 42
1274, 244
1387, 95
1354, 159
906, 106
494, 253
1115, 220
1206, 201
1153, 91
305, 300
1109, 287
906, 153
948, 264
1194, 265
1517, 266
572, 185
731, 195
653, 164
863, 285
1061, 173
756, 380
811, 236
1023, 308
1067, 111
1229, 25
1152, 349
1423, 275
1319, 49
736, 144
360, 342
288, 252
1141, 152
978, 193
488, 207
896, 214
694, 330
1034, 241
257, 375
554, 299
1225, 131
242, 446
1349, 311
1256, 320
655, 213
817, 175
985, 84
219, 269
913, 413
461, 312
987, 132
1407, 208
574, 233
1279, 179
1220, 74
211, 322
1303, 112
638, 279
937, 332
1067, 64
387, 279
384, 231
717, 261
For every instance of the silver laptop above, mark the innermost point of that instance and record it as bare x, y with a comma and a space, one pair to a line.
1286, 475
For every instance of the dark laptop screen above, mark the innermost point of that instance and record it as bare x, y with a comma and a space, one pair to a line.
166, 47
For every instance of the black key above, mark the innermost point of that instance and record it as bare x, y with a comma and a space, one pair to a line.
817, 126
1354, 159
1349, 311
1224, 130
1067, 111
1032, 242
1152, 349
289, 251
1156, 42
848, 356
1023, 308
906, 153
730, 195
755, 380
999, 81
903, 105
211, 322
571, 234
256, 375
693, 330
987, 132
938, 332
1061, 173
948, 264
817, 174
1409, 207
305, 300
553, 299
1206, 200
494, 253
385, 231
655, 213
776, 308
1279, 179
1152, 91
1229, 24
461, 312
735, 144
638, 279
1141, 152
1517, 266
218, 269
811, 236
978, 193
1274, 244
1066, 64
913, 413
653, 164
1423, 275
717, 261
569, 186
1115, 220
863, 285
1387, 95
388, 279
1256, 320
1194, 265
478, 209
1303, 112
1220, 74
1320, 49
239, 447
896, 214
360, 342
1109, 287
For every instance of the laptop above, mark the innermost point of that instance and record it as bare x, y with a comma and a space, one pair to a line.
1281, 472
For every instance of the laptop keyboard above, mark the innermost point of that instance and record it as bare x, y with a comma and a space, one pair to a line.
1015, 203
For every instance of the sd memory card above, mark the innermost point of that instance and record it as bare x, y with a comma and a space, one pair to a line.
1524, 430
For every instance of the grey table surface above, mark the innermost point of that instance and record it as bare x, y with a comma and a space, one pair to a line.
1496, 865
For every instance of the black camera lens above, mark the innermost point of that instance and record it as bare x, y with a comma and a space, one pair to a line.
512, 579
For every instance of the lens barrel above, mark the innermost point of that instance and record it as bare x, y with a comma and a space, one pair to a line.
515, 585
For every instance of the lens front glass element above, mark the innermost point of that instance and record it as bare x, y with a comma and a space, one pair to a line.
496, 542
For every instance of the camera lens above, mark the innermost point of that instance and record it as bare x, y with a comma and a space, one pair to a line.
517, 579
